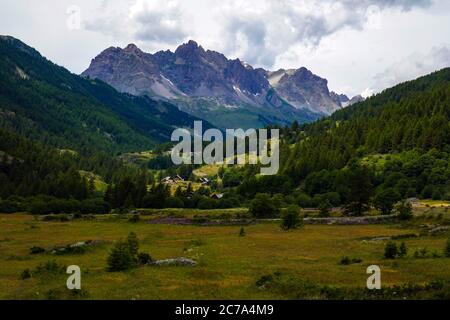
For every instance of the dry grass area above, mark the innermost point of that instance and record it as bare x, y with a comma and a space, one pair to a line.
228, 265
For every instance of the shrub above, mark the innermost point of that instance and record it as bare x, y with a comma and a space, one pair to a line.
291, 218
56, 217
435, 254
228, 203
48, 205
421, 253
278, 200
242, 232
404, 210
390, 251
402, 250
77, 215
8, 206
124, 254
304, 201
133, 243
262, 206
93, 206
61, 293
324, 208
49, 268
347, 261
447, 249
121, 258
144, 258
26, 274
385, 199
174, 202
36, 250
206, 203
196, 243
261, 282
134, 218
333, 198
39, 206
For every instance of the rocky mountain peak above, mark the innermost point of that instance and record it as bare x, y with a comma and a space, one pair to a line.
306, 76
131, 48
189, 48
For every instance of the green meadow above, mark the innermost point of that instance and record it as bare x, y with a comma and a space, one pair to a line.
266, 263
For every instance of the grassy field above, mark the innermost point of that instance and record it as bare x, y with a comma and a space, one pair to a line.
228, 265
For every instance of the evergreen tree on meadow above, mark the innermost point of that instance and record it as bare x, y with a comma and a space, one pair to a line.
290, 218
385, 200
360, 189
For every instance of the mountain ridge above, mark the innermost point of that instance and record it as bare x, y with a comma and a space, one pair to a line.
191, 75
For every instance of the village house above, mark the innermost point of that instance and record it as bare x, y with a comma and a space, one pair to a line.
217, 196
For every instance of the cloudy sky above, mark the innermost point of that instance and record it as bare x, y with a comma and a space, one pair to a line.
360, 46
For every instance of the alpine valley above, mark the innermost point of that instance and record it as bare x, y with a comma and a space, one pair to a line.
87, 180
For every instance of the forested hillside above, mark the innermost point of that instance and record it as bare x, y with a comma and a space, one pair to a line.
393, 146
34, 176
411, 115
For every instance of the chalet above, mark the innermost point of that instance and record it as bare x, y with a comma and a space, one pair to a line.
217, 196
413, 201
178, 178
167, 180
170, 179
205, 181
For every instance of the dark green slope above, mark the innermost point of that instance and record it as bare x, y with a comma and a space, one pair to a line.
46, 102
412, 115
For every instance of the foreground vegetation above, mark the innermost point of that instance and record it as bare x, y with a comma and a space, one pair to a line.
262, 262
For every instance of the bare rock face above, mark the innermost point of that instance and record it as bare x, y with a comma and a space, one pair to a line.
303, 89
355, 99
340, 99
189, 71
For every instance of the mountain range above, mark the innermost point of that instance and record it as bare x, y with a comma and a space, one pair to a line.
227, 93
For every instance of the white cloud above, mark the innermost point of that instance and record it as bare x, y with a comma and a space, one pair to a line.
256, 31
260, 34
411, 67
154, 23
274, 33
367, 93
346, 41
161, 21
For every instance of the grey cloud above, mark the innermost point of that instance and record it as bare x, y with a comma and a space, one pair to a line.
283, 23
403, 4
412, 67
155, 21
159, 23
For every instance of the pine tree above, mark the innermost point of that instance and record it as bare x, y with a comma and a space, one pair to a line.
360, 189
402, 251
